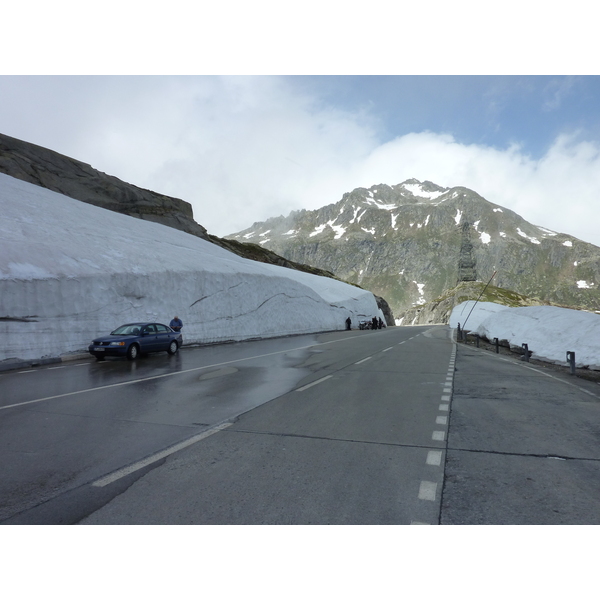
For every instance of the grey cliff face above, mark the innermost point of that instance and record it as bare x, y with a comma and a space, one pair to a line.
78, 180
407, 243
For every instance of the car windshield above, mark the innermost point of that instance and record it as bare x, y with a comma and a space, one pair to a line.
127, 330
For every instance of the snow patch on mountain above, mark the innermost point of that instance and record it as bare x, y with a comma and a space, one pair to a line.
533, 240
421, 299
416, 189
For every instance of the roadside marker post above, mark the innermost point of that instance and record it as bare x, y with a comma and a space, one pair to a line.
571, 361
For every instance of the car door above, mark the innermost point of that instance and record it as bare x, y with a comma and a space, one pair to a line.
148, 338
163, 336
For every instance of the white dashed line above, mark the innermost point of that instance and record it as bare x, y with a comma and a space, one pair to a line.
363, 360
445, 398
434, 457
438, 436
443, 407
427, 490
305, 387
441, 420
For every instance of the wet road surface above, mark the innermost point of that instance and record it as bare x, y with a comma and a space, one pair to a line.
77, 436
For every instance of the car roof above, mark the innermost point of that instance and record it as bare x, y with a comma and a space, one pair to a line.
141, 324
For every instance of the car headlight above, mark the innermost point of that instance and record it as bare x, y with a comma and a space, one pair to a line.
117, 343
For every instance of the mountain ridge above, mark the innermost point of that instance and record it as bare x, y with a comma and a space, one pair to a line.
405, 242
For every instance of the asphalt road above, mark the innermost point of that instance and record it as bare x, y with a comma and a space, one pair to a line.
346, 427
399, 426
523, 445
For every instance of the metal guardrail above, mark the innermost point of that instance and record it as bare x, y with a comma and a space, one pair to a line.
463, 335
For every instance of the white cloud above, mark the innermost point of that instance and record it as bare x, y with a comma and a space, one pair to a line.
242, 149
557, 191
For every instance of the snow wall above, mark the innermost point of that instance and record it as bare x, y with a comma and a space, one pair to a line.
70, 271
548, 331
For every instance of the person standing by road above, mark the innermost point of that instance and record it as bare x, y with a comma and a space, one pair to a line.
176, 324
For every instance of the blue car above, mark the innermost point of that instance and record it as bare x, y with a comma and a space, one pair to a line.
134, 339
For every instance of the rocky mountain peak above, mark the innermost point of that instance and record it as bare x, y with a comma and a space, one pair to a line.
405, 242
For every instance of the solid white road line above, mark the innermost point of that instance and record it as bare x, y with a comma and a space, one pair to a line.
104, 481
172, 374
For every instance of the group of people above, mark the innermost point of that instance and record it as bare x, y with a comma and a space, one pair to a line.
374, 323
176, 324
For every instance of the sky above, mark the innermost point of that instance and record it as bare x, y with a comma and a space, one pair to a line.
301, 122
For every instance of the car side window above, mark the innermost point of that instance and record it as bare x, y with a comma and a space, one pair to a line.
161, 328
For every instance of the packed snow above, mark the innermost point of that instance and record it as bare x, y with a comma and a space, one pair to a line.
549, 331
420, 287
533, 240
70, 271
416, 190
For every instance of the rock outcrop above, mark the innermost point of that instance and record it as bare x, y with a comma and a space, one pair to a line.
80, 181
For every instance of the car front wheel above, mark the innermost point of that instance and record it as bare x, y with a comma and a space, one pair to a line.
132, 352
172, 349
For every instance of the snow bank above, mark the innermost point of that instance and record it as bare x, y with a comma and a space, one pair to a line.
70, 271
548, 331
462, 313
